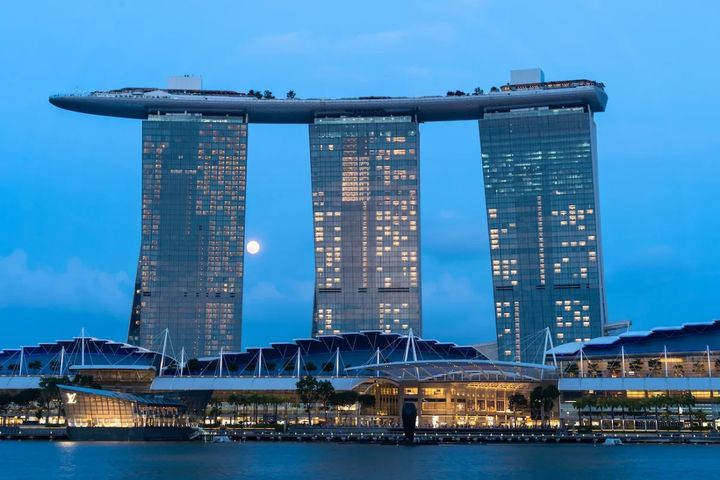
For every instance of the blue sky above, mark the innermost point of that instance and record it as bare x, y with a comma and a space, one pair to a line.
70, 183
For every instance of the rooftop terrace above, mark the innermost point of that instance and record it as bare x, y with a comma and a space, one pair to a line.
136, 102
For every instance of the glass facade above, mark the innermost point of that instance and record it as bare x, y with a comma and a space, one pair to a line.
190, 271
540, 171
365, 193
96, 408
466, 404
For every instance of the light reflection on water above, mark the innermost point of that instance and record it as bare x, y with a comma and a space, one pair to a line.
165, 461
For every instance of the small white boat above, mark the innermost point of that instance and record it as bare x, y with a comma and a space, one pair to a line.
221, 439
612, 441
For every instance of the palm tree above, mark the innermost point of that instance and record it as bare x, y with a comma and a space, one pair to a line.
687, 400
35, 365
698, 367
193, 365
549, 395
580, 405
701, 418
50, 393
586, 403
345, 398
245, 401
234, 400
666, 401
656, 403
54, 365
517, 401
614, 368
605, 403
307, 391
572, 370
635, 365
536, 404
214, 404
274, 401
254, 399
325, 391
654, 366
5, 401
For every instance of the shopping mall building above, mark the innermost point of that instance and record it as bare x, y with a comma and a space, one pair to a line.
452, 385
607, 382
633, 380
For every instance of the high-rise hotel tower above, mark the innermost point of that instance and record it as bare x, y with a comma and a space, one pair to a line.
366, 224
190, 271
540, 169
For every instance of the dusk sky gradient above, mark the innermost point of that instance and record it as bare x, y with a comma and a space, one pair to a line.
70, 183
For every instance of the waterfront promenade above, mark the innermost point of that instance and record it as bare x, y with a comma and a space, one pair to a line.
394, 436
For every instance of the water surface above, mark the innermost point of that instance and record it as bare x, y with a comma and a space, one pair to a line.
165, 461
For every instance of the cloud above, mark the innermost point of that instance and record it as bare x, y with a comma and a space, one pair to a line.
78, 287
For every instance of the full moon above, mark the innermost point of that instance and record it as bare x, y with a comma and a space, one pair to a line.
253, 247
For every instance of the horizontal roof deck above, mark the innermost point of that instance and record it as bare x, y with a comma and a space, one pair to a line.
141, 102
